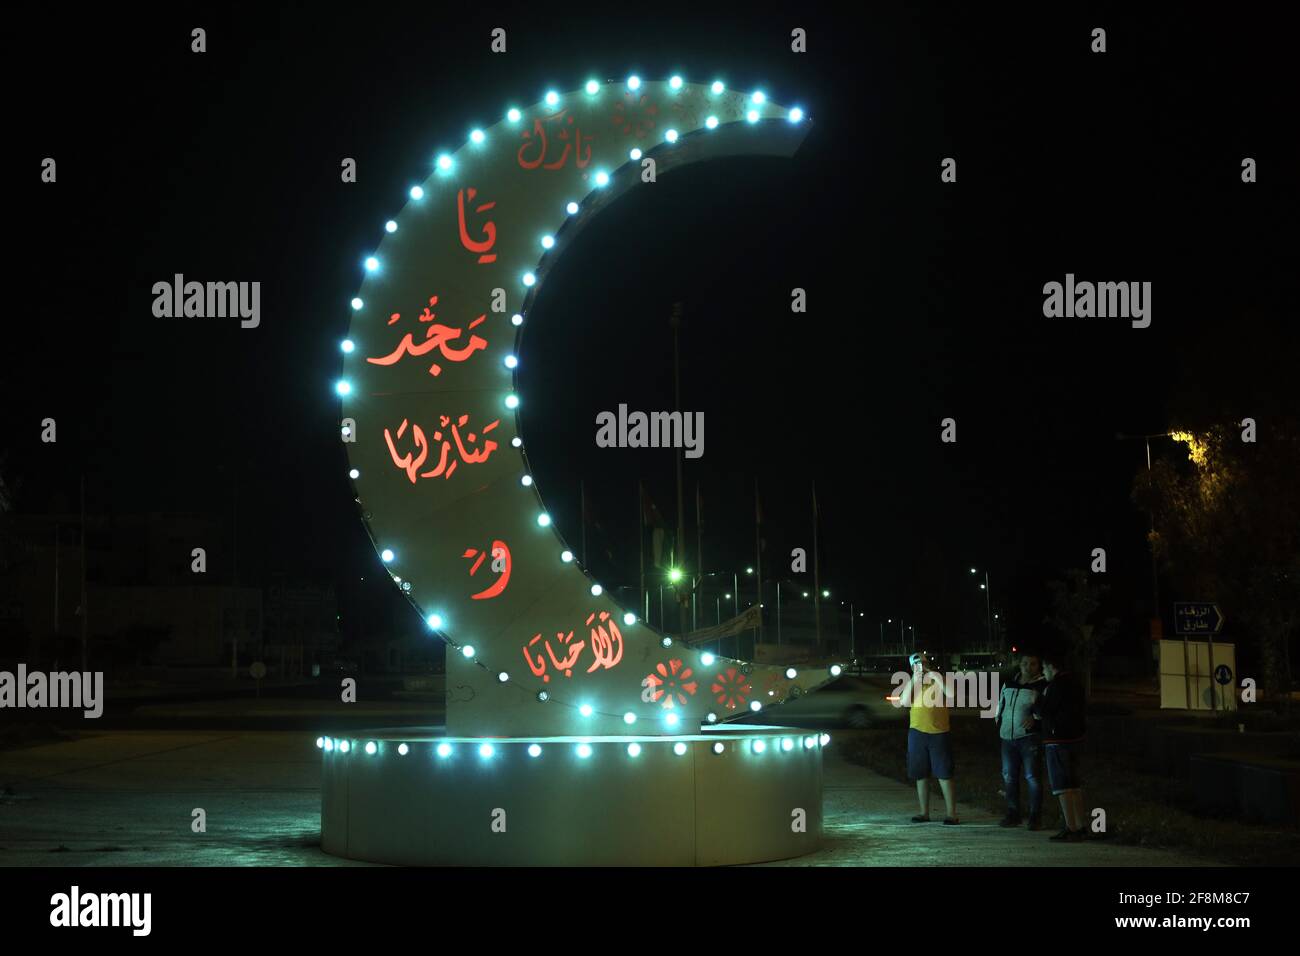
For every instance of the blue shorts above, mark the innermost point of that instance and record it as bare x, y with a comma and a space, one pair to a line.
928, 755
1064, 770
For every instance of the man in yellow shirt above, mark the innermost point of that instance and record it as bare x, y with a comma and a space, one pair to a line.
929, 752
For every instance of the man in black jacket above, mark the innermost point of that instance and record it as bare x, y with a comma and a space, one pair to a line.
1061, 709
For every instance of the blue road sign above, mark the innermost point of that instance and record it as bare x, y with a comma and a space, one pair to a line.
1198, 618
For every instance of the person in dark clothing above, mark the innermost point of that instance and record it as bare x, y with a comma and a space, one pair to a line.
1060, 707
1022, 740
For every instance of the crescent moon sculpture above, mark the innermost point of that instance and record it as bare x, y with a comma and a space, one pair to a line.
540, 659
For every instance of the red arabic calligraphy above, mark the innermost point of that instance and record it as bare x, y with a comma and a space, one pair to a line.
606, 648
500, 564
482, 247
437, 336
537, 139
411, 463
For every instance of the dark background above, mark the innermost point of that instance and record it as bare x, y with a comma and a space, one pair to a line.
924, 298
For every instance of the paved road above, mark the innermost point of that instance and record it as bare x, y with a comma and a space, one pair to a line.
125, 799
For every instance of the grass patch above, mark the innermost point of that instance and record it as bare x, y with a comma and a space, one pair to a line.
1142, 809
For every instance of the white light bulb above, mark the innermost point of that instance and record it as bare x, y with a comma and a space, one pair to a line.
516, 319
758, 97
390, 226
571, 208
836, 670
672, 720
566, 556
387, 555
667, 642
344, 746
585, 710
434, 621
633, 750
477, 136
712, 718
675, 82
371, 263
752, 116
679, 748
511, 361
403, 749
718, 748
544, 520
503, 677
346, 345
356, 305
513, 115
486, 751
534, 750
596, 590
548, 242
791, 673
796, 115
825, 738
512, 401
552, 98
602, 179
671, 135
629, 618
354, 474
711, 122
467, 651
592, 86
755, 706
444, 750
417, 192
787, 744
759, 746
444, 162
517, 442
717, 86
529, 278
707, 659
320, 742
371, 748
629, 718
526, 480
635, 154
634, 82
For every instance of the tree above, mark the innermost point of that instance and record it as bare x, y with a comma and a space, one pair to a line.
1074, 600
1229, 530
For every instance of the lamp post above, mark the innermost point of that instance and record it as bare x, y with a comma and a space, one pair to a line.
988, 604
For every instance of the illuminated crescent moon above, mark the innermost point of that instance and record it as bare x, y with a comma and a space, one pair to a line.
432, 423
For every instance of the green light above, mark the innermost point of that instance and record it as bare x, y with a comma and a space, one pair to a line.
674, 574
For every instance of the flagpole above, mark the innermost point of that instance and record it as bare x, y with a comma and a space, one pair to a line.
644, 601
676, 322
817, 583
758, 562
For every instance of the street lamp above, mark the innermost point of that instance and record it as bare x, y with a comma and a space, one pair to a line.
988, 604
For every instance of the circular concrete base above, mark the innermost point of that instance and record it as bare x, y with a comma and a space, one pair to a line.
727, 795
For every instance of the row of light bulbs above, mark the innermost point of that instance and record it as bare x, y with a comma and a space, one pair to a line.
584, 750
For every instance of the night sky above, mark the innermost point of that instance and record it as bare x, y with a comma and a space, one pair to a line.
925, 298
